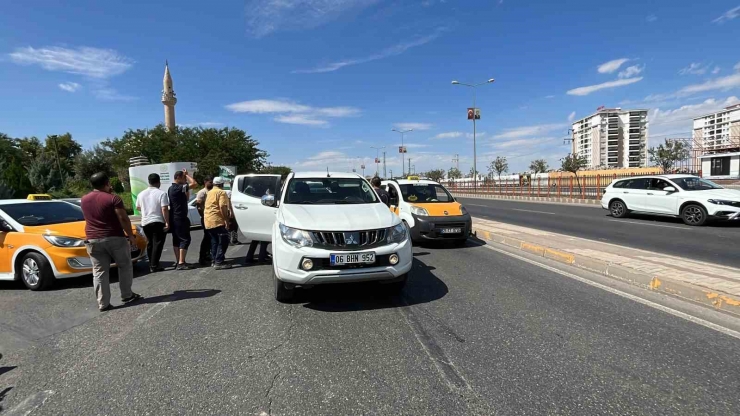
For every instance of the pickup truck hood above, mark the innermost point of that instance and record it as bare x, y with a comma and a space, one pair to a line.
729, 194
341, 217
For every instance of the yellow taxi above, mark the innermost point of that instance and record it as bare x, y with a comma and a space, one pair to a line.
43, 240
429, 211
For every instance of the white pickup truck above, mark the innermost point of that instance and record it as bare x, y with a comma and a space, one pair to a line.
324, 228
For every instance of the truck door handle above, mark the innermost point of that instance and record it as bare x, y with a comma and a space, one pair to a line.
650, 193
626, 192
241, 206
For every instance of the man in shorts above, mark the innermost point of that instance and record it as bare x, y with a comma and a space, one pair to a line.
179, 195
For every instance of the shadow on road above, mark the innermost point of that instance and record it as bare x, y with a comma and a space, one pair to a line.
174, 297
673, 220
4, 370
422, 287
4, 393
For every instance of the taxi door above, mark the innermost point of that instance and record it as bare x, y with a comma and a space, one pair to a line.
5, 252
395, 198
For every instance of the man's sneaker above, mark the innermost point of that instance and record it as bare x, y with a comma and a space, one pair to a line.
133, 297
107, 308
184, 266
222, 266
156, 269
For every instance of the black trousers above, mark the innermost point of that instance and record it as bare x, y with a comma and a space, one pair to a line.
204, 255
156, 237
253, 247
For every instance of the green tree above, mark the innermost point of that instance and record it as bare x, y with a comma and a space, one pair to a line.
436, 175
666, 155
539, 166
472, 173
43, 174
499, 166
13, 173
30, 146
65, 147
573, 163
92, 161
283, 171
454, 173
6, 192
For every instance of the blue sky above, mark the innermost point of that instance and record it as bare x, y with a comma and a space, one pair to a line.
318, 82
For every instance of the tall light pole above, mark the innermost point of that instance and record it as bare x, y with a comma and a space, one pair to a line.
475, 158
377, 158
402, 156
385, 174
59, 165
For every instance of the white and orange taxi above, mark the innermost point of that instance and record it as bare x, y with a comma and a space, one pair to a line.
428, 209
43, 240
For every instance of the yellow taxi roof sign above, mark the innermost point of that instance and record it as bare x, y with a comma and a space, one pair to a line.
413, 178
39, 197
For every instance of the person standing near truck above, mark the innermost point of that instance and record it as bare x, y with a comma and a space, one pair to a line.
204, 256
179, 194
217, 213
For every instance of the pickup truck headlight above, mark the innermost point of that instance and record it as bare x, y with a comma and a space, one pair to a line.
724, 202
64, 241
295, 237
419, 211
397, 234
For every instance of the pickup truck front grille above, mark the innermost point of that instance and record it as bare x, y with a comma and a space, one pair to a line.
349, 240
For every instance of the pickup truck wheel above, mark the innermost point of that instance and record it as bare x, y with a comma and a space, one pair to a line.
282, 294
694, 214
618, 209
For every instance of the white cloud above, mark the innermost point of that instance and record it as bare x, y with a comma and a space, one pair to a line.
412, 145
680, 120
572, 116
524, 143
448, 135
90, 62
736, 67
413, 126
611, 84
716, 70
651, 18
385, 53
268, 16
549, 96
721, 83
611, 66
70, 86
111, 94
631, 71
695, 68
728, 15
293, 113
526, 131
203, 124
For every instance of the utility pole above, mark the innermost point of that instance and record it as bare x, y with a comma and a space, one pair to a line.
385, 176
409, 166
59, 165
402, 149
377, 159
475, 111
456, 161
391, 173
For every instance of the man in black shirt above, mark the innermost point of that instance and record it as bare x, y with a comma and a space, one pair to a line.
382, 193
179, 194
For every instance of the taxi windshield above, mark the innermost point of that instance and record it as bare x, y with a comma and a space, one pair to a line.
330, 191
43, 213
425, 192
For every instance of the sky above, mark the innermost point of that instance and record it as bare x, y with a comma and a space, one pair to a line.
320, 82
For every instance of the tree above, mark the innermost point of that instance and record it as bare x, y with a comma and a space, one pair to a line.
43, 174
436, 175
64, 147
499, 166
666, 155
573, 163
31, 147
538, 166
92, 161
6, 192
454, 173
283, 171
13, 173
472, 173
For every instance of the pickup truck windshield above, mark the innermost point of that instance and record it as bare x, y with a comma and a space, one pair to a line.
330, 191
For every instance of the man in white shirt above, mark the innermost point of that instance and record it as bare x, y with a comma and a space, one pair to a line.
154, 205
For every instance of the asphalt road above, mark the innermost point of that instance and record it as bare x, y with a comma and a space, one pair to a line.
475, 332
713, 243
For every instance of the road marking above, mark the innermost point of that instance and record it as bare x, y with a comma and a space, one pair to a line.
671, 311
529, 210
482, 206
653, 225
151, 312
31, 403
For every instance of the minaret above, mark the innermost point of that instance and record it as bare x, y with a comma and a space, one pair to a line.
169, 99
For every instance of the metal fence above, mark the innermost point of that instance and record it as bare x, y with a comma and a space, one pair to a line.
582, 187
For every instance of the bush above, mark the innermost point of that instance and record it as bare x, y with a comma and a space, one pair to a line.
116, 184
127, 202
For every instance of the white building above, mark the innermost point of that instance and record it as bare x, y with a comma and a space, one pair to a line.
718, 135
612, 138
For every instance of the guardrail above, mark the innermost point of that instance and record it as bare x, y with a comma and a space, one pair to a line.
583, 187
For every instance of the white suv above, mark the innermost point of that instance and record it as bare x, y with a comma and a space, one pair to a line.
324, 228
691, 198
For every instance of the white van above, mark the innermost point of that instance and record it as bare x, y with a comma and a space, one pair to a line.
324, 228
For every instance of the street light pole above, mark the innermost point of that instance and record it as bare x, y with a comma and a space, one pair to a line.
59, 165
377, 159
385, 174
403, 167
475, 158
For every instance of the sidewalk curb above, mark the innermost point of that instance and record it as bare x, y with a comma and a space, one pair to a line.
554, 200
718, 300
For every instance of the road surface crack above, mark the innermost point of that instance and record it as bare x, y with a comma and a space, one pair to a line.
273, 362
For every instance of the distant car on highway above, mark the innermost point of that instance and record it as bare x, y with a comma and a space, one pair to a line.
693, 199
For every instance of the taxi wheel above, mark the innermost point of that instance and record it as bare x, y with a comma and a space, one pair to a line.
282, 294
36, 272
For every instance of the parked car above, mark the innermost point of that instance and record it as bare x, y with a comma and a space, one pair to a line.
324, 228
693, 199
41, 241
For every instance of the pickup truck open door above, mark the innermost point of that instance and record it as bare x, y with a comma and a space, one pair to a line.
254, 219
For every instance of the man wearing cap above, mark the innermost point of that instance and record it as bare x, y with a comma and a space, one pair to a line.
217, 212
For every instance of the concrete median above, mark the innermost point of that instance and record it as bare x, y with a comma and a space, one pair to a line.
709, 284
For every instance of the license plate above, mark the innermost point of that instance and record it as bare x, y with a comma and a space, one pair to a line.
450, 231
352, 258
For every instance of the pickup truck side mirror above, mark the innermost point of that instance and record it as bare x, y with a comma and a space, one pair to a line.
269, 200
669, 189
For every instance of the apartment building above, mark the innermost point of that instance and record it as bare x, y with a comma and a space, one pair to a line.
612, 138
718, 136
